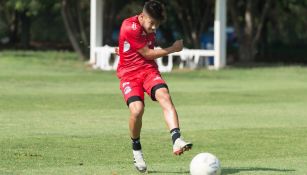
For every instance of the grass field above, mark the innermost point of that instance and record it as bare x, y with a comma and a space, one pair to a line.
59, 117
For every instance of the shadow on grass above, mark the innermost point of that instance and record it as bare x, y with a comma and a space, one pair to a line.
229, 170
168, 172
253, 64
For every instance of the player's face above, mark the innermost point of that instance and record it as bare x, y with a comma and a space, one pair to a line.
149, 24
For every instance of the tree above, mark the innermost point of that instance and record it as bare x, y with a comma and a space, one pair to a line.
22, 11
194, 18
9, 22
71, 12
248, 18
287, 13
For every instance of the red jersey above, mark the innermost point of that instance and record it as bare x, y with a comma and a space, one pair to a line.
133, 37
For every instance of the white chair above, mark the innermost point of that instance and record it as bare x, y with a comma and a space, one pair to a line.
165, 68
103, 58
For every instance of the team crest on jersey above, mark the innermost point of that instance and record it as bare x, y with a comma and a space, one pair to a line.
126, 46
133, 26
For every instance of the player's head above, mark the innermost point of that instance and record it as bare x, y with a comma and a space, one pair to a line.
152, 15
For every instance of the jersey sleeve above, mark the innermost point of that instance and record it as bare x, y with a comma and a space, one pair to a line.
134, 36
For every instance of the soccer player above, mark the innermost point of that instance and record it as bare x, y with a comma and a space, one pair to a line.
138, 73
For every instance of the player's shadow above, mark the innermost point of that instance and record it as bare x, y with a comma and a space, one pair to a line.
229, 170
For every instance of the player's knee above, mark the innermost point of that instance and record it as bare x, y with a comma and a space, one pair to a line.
136, 108
158, 90
162, 95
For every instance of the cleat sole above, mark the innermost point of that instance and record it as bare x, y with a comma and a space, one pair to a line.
187, 147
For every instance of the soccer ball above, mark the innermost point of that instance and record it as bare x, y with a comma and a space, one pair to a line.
205, 164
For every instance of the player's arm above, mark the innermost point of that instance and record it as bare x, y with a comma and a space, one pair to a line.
152, 54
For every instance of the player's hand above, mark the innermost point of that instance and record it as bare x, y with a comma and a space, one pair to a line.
177, 46
116, 50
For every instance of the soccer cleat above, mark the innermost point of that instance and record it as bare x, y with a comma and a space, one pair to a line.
180, 146
139, 161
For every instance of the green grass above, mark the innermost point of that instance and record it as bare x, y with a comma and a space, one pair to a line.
59, 117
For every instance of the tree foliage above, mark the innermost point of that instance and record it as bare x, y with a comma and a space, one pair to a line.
260, 25
30, 7
262, 22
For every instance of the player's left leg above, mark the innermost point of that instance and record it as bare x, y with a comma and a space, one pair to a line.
157, 89
171, 118
169, 111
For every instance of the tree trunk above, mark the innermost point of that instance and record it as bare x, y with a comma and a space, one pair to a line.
109, 14
13, 28
196, 39
73, 39
248, 38
246, 50
246, 46
25, 30
81, 26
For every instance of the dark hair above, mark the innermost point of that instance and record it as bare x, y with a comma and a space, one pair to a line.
155, 9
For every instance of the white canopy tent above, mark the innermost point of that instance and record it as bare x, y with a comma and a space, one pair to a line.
219, 51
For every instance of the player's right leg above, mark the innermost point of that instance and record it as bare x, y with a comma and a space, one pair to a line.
135, 125
134, 97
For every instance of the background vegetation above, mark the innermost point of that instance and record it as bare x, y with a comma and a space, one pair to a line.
263, 30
